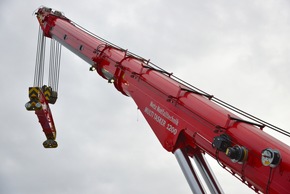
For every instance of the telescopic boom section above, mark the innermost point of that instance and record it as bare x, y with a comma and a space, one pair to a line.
181, 117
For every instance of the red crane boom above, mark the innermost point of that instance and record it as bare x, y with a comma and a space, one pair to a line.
187, 121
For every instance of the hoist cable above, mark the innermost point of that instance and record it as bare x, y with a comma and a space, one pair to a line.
36, 72
58, 66
36, 61
53, 67
214, 99
42, 59
54, 64
51, 63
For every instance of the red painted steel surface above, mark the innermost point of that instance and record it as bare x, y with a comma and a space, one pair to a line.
45, 118
179, 118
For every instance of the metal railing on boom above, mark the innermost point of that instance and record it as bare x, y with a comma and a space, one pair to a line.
193, 88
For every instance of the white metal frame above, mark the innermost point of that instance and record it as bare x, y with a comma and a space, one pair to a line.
192, 177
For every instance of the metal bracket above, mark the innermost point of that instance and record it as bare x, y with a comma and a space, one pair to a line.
196, 92
159, 70
247, 122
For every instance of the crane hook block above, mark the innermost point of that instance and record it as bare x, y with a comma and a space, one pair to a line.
33, 103
50, 95
50, 143
33, 93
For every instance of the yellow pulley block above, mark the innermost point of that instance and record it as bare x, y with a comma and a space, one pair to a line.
33, 103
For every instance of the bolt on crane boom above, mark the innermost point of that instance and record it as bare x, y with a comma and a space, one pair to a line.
186, 120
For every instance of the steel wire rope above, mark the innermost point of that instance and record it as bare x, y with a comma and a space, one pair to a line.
51, 63
214, 99
239, 111
256, 119
54, 64
58, 65
41, 61
36, 71
233, 108
37, 59
236, 110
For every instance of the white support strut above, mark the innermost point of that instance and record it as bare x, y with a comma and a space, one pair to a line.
189, 172
207, 174
192, 177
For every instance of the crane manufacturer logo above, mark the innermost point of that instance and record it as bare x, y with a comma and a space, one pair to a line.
156, 112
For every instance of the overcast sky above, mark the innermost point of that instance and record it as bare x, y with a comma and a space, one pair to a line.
236, 50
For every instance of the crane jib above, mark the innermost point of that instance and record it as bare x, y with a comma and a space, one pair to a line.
186, 120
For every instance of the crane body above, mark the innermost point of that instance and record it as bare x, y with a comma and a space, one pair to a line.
186, 121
